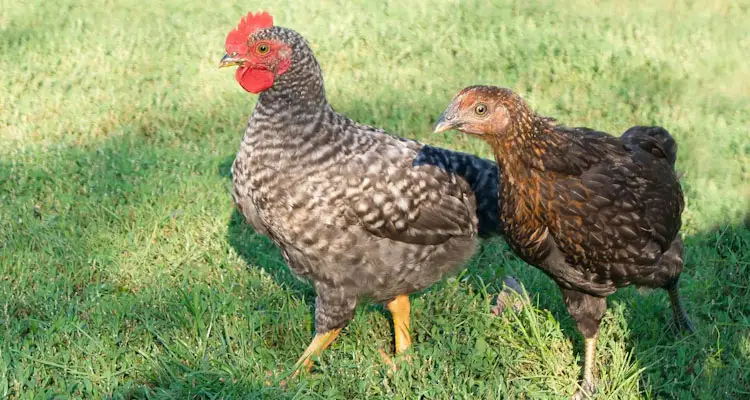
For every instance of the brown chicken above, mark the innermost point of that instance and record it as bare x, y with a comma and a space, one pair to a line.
357, 212
593, 211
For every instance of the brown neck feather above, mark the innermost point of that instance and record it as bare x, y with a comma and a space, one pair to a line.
525, 142
520, 153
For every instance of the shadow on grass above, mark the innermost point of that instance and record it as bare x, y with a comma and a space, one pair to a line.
104, 273
706, 364
71, 217
714, 361
258, 250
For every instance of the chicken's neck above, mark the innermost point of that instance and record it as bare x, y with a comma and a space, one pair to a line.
521, 155
529, 141
289, 118
296, 97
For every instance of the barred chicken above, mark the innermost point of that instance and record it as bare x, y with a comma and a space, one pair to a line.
357, 212
593, 211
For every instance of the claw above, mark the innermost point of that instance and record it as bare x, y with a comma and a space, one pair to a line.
319, 343
387, 360
512, 296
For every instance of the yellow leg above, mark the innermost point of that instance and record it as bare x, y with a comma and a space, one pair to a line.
588, 383
319, 343
588, 363
399, 308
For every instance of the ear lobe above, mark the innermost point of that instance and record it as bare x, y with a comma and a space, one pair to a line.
285, 53
283, 66
500, 119
283, 60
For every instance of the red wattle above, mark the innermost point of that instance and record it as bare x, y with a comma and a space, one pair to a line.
254, 80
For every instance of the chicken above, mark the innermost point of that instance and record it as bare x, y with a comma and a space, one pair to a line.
357, 212
593, 211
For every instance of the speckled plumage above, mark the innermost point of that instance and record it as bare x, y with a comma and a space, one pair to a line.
359, 213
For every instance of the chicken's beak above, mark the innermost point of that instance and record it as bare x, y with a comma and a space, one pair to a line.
229, 61
447, 121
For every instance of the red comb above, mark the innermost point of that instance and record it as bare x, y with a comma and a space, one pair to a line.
237, 38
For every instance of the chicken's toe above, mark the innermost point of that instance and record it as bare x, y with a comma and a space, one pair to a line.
512, 296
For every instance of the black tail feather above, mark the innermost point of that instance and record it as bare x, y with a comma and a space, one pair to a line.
654, 139
480, 173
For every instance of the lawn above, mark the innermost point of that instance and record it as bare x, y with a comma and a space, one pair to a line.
126, 273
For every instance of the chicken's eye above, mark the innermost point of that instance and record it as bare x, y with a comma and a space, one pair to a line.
480, 109
263, 49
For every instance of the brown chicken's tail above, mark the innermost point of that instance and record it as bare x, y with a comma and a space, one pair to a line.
655, 140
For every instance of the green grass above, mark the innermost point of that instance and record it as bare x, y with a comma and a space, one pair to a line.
125, 272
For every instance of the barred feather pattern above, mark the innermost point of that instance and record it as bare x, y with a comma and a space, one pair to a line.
347, 204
